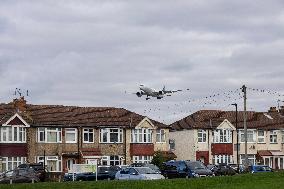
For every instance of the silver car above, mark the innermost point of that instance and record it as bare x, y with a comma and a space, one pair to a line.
138, 173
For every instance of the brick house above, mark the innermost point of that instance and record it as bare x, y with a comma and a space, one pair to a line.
60, 136
211, 136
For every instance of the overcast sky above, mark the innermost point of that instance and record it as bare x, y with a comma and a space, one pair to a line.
88, 53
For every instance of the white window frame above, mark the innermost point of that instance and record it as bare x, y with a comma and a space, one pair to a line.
90, 135
222, 136
142, 159
201, 136
13, 134
112, 160
273, 136
48, 159
161, 136
72, 131
242, 136
45, 131
142, 135
108, 132
260, 138
10, 163
251, 158
217, 159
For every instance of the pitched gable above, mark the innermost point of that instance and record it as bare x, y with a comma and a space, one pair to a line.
145, 123
226, 125
16, 120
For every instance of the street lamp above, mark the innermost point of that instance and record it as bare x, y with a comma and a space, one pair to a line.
238, 161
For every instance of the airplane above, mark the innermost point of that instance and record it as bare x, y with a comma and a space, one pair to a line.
144, 90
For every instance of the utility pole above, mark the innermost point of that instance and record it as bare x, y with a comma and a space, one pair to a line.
236, 116
244, 90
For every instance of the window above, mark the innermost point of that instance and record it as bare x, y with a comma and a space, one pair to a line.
53, 163
10, 163
12, 134
142, 159
251, 135
260, 136
141, 135
112, 160
282, 134
201, 135
70, 135
251, 159
161, 136
217, 159
109, 135
49, 135
273, 137
222, 136
88, 135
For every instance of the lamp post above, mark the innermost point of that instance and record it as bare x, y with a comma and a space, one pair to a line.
238, 161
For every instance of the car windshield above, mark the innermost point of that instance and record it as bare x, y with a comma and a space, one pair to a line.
145, 170
195, 165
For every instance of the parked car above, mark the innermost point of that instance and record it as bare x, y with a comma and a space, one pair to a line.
198, 169
151, 166
6, 174
20, 176
183, 169
174, 169
259, 169
107, 172
37, 167
222, 169
104, 172
138, 173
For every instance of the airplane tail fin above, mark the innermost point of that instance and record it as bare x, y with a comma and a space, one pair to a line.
164, 88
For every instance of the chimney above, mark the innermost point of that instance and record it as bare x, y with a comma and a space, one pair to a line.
272, 109
20, 104
281, 110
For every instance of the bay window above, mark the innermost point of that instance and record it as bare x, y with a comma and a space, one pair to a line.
141, 135
222, 136
10, 163
112, 160
12, 134
142, 159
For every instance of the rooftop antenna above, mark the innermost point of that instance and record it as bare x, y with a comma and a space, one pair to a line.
18, 92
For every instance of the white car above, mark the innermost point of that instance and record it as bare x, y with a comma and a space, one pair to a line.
138, 173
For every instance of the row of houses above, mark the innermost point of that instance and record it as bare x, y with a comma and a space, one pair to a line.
212, 137
60, 136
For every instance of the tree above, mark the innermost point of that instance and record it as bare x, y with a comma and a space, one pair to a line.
159, 158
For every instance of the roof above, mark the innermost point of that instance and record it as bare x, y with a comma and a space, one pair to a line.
206, 119
73, 116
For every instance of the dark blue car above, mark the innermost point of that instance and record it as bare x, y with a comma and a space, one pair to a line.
259, 168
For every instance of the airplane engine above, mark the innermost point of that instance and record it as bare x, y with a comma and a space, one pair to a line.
161, 92
139, 94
